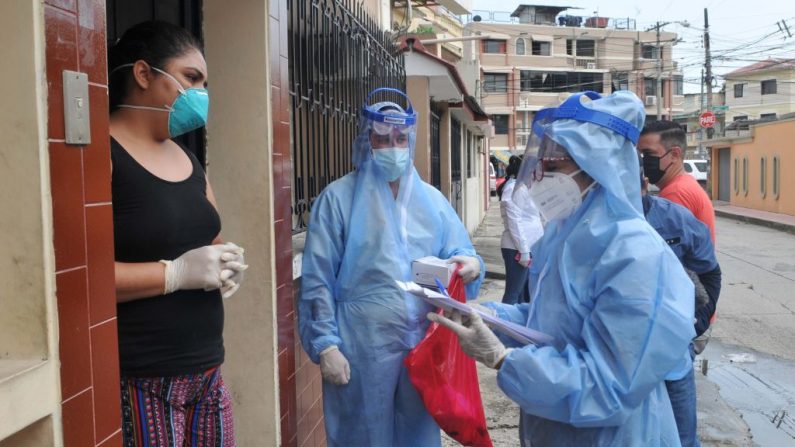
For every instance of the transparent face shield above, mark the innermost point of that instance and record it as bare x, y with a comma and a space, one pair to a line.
541, 147
385, 127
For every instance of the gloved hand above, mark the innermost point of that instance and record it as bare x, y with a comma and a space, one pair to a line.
334, 367
475, 338
233, 266
470, 267
199, 268
525, 259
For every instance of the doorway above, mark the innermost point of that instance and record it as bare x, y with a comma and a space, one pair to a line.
724, 171
123, 14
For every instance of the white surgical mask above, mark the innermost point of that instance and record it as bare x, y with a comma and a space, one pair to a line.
557, 195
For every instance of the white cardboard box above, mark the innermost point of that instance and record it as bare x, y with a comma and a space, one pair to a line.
424, 270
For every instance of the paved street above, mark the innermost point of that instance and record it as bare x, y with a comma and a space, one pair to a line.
747, 396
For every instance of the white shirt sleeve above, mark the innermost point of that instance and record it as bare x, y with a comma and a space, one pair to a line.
521, 218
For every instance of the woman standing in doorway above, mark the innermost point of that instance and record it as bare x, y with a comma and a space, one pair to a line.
171, 266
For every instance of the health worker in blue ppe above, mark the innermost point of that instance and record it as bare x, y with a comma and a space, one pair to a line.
616, 300
365, 229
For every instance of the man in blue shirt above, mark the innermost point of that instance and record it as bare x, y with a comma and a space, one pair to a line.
690, 241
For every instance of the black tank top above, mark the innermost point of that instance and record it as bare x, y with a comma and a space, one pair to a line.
179, 333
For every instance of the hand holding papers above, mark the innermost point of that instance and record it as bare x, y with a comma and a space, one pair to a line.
518, 332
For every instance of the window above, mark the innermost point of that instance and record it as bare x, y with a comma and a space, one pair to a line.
585, 48
678, 85
650, 86
555, 82
520, 46
736, 176
776, 176
495, 82
701, 165
649, 52
493, 46
767, 116
541, 48
745, 175
769, 87
740, 118
738, 90
621, 81
688, 168
500, 124
763, 176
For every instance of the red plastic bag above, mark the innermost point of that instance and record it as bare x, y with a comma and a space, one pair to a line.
447, 381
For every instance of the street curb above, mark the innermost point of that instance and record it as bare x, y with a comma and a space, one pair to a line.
757, 221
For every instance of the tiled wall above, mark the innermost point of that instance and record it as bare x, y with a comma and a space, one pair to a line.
299, 379
83, 226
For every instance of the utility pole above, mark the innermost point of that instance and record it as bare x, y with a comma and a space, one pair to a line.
708, 66
658, 90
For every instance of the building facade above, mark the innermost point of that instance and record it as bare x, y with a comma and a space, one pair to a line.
752, 171
761, 91
538, 56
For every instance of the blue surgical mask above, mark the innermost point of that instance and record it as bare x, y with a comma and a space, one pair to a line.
189, 110
392, 162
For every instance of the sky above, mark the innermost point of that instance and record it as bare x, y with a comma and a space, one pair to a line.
741, 31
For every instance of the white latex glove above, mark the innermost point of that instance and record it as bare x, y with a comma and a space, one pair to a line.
475, 338
470, 267
525, 259
233, 266
199, 268
334, 367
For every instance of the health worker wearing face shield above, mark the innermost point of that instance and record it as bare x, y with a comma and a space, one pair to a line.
616, 300
365, 229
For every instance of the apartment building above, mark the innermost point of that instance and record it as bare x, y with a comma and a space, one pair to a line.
538, 55
760, 91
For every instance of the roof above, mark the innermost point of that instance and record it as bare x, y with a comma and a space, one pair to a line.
413, 45
767, 64
551, 8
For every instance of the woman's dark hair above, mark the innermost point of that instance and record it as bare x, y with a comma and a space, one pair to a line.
510, 172
155, 42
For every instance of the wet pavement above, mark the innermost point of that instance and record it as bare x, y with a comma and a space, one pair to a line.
759, 386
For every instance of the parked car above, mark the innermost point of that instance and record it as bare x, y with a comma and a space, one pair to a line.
492, 180
698, 170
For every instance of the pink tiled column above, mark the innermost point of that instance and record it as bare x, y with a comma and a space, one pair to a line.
83, 230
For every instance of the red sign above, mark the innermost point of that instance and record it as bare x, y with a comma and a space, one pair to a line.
707, 119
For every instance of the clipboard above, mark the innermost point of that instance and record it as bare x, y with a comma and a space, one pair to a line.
515, 331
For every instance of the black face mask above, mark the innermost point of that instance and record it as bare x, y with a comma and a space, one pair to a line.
651, 167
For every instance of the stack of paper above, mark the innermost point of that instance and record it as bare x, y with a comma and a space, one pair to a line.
517, 332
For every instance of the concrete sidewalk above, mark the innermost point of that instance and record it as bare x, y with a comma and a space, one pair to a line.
719, 424
782, 222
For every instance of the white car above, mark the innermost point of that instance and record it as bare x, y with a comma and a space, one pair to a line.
698, 170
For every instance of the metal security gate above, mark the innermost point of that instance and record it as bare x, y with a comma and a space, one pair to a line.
436, 147
455, 166
337, 55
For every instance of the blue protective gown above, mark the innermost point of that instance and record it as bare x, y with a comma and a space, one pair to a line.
358, 243
617, 301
